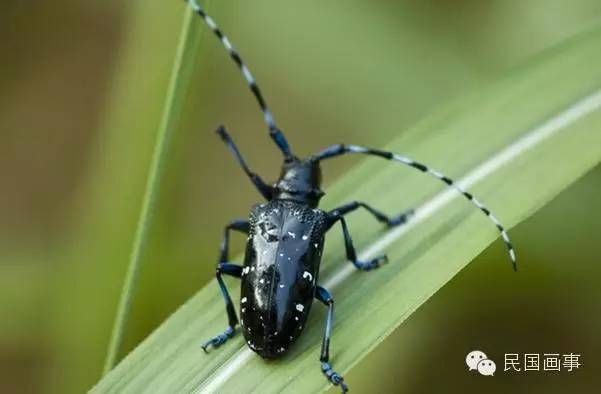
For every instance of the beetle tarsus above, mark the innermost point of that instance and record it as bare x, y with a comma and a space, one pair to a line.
219, 339
372, 264
333, 377
400, 219
324, 296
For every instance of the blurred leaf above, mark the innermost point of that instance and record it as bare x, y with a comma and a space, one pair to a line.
173, 103
104, 213
515, 145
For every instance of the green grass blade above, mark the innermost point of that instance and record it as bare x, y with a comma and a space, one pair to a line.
178, 82
515, 145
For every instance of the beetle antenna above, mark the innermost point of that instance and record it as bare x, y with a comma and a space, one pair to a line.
275, 133
338, 150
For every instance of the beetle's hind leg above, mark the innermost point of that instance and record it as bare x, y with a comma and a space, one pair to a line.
225, 268
338, 215
324, 296
235, 271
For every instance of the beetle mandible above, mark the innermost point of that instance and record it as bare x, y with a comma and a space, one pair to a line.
286, 236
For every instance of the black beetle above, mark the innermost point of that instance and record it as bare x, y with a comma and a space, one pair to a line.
286, 237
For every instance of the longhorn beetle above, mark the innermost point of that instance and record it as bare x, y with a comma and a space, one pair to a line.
286, 237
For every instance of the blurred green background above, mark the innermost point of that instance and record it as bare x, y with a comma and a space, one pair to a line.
81, 89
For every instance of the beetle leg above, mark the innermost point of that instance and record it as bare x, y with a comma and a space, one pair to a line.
236, 225
381, 217
263, 188
325, 297
351, 254
225, 268
235, 271
338, 215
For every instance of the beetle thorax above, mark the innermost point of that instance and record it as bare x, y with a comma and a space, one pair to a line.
300, 180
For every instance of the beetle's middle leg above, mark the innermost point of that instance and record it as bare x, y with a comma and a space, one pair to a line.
225, 268
380, 216
351, 254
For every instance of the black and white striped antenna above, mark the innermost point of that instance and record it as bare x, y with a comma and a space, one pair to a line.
338, 150
275, 133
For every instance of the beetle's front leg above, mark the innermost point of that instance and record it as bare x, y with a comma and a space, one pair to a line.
324, 296
225, 268
263, 188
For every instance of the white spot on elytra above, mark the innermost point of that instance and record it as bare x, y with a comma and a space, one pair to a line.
243, 300
262, 280
307, 274
281, 254
282, 286
305, 237
296, 318
316, 246
293, 235
300, 307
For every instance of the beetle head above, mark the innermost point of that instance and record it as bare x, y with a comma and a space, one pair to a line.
300, 180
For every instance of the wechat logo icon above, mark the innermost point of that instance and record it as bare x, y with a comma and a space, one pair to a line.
477, 360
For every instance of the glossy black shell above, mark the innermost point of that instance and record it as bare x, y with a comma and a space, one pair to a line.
280, 271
